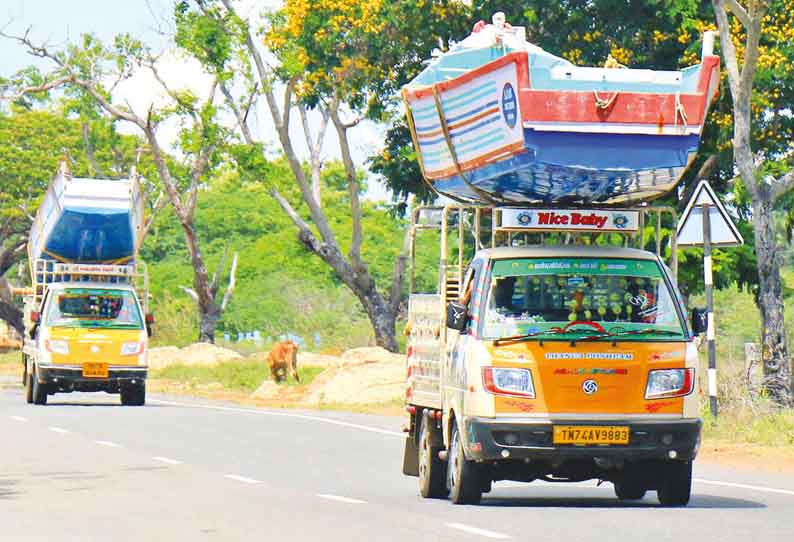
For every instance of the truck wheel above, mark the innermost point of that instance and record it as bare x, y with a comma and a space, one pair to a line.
38, 391
134, 395
676, 485
432, 474
28, 387
629, 490
463, 479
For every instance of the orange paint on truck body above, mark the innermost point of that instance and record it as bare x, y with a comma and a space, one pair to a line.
560, 371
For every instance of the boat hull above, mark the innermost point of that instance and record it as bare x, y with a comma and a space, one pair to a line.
490, 136
87, 221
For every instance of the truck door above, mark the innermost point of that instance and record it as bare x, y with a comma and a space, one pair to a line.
454, 369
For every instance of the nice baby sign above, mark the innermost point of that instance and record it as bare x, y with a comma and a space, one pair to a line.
571, 219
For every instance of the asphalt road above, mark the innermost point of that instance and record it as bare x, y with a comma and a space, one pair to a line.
84, 468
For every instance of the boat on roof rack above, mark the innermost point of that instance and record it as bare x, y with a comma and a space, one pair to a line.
89, 221
498, 120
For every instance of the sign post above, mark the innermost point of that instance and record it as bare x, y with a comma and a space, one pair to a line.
716, 228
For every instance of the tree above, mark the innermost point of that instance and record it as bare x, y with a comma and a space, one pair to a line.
338, 59
741, 29
92, 72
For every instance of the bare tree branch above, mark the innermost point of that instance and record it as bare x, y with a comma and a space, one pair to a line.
353, 187
729, 51
783, 185
191, 293
89, 150
232, 279
219, 270
738, 10
315, 148
159, 202
35, 89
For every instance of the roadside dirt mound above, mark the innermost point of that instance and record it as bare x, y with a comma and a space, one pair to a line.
366, 376
193, 354
310, 359
372, 354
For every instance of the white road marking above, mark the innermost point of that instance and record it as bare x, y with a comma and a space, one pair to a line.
167, 460
242, 479
340, 498
744, 486
477, 531
58, 430
18, 418
284, 414
107, 443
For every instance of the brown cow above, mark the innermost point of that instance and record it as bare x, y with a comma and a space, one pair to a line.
283, 357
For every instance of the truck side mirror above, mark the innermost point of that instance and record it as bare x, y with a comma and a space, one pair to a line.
456, 315
699, 321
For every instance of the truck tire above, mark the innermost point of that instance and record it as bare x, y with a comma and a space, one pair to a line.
38, 391
629, 490
676, 484
28, 388
134, 395
27, 380
432, 471
463, 479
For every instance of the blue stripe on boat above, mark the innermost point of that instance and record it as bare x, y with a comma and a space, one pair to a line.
472, 112
485, 122
421, 110
429, 128
431, 142
471, 99
451, 101
482, 141
427, 116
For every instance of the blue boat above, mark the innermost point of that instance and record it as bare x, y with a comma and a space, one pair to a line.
499, 120
87, 221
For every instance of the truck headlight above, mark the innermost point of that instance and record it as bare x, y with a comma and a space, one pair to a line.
670, 383
57, 346
131, 349
508, 381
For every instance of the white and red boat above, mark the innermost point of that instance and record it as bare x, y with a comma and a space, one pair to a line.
499, 120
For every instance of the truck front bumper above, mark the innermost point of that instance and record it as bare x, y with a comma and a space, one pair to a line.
488, 439
65, 377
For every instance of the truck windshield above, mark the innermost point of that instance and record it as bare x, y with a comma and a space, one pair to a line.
577, 298
93, 307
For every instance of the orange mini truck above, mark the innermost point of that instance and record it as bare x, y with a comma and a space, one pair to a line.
551, 355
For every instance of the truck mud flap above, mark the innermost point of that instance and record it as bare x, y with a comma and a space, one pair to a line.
411, 457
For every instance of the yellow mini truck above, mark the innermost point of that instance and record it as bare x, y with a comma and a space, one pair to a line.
560, 362
86, 335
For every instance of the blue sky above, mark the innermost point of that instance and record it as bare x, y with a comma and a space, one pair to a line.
59, 21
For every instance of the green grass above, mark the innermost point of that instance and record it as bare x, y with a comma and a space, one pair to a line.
242, 375
10, 358
757, 426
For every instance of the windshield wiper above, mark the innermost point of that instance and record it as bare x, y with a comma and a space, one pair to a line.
527, 336
644, 331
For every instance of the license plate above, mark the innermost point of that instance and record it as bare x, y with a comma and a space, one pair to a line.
95, 370
590, 434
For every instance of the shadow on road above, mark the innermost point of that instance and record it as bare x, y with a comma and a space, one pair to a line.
697, 502
51, 402
7, 488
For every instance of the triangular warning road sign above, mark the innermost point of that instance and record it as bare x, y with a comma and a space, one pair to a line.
690, 227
